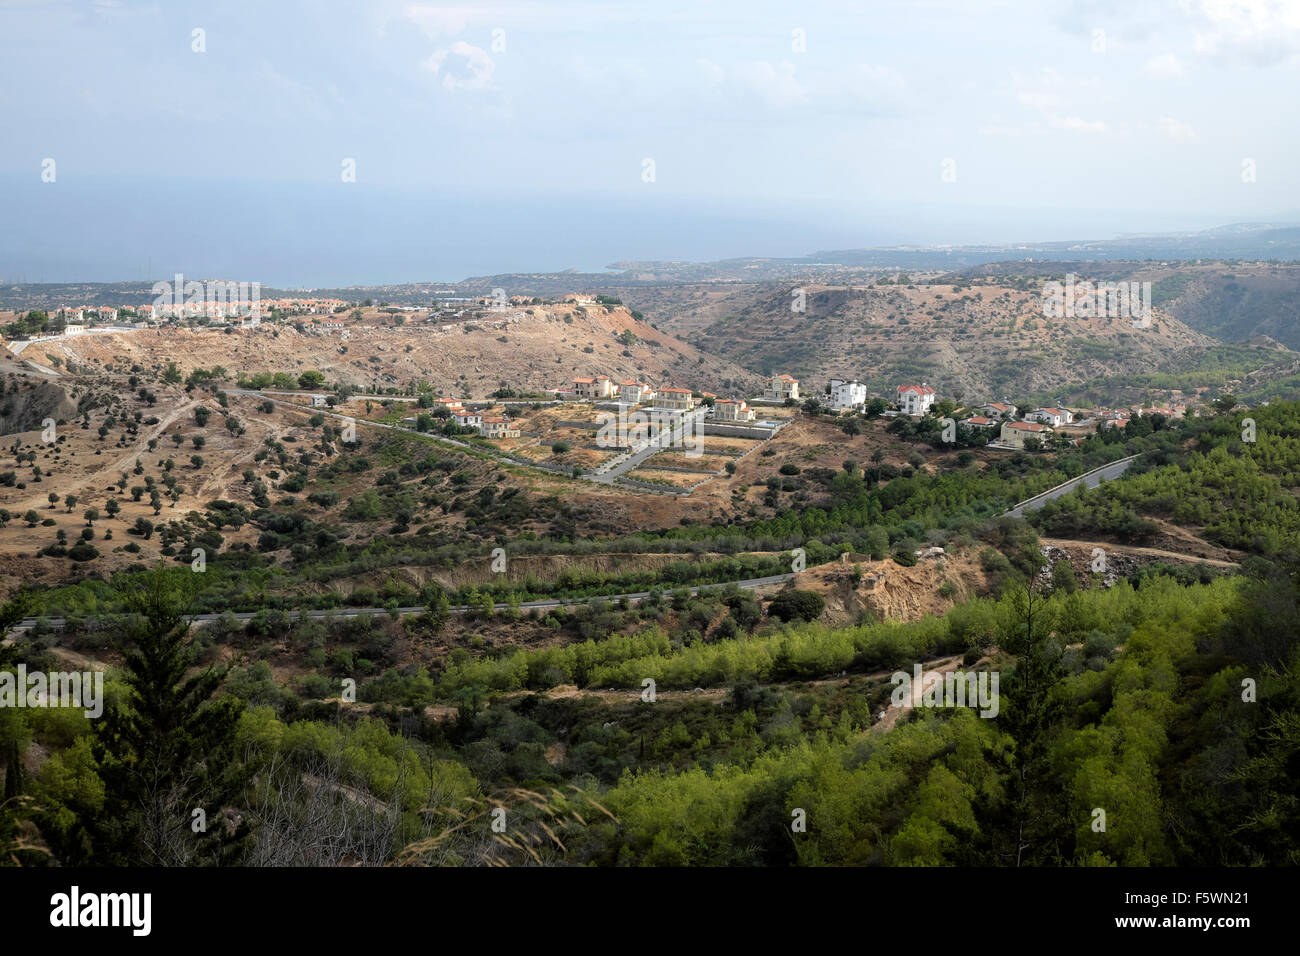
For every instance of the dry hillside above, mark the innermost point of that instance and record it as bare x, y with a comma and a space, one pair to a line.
532, 349
980, 341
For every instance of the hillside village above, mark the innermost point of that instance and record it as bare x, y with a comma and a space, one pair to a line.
237, 306
1004, 425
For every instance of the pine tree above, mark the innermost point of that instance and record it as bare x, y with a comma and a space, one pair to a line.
1025, 823
1030, 715
168, 749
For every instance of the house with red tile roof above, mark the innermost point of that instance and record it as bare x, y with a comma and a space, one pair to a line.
998, 410
599, 386
732, 410
782, 387
497, 428
915, 399
674, 399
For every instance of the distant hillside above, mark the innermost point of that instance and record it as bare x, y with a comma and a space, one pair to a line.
1236, 303
981, 341
1232, 301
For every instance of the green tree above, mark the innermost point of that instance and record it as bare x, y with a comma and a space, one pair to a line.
1027, 826
437, 609
167, 749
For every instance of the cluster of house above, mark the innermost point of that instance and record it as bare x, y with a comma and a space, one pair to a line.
214, 308
667, 398
1013, 430
487, 426
1040, 423
84, 314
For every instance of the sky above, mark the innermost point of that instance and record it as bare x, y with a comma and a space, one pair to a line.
321, 144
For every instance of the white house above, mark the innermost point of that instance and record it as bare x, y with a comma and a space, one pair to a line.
782, 387
998, 410
319, 401
1050, 416
74, 329
980, 421
1015, 433
634, 392
847, 394
915, 399
732, 410
466, 419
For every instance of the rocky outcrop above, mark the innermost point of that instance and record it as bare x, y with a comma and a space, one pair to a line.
25, 405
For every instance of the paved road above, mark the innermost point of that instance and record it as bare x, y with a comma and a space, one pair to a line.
1090, 479
611, 471
348, 612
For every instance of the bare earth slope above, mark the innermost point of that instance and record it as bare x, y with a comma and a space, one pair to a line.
534, 349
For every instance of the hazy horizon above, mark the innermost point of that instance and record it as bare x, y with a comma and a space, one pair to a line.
419, 141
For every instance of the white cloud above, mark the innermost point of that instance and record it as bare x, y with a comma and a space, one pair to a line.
867, 82
1166, 64
438, 21
1050, 92
781, 85
775, 84
1076, 124
471, 69
1263, 32
1039, 101
1177, 130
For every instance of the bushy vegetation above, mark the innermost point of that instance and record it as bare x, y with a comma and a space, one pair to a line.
1128, 699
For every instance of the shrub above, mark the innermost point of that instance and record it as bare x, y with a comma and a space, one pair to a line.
796, 605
